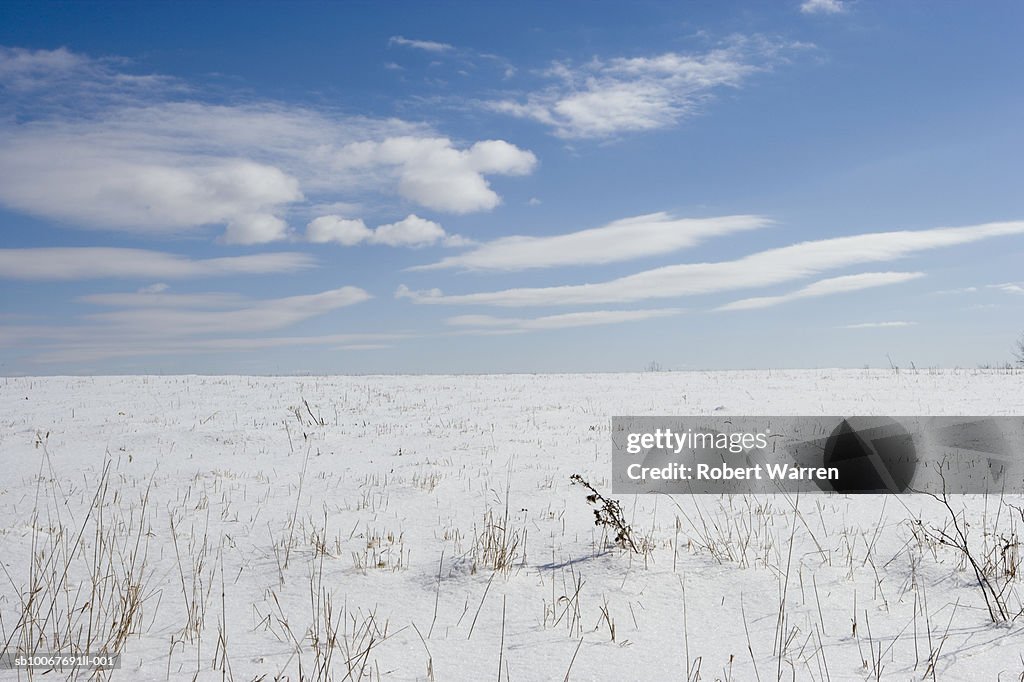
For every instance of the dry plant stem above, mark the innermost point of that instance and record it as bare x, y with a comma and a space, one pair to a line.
994, 599
609, 513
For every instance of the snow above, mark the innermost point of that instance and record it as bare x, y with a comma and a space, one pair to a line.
342, 507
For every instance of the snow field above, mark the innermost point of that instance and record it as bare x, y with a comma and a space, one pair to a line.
411, 528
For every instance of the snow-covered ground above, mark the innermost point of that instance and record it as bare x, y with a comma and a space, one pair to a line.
425, 527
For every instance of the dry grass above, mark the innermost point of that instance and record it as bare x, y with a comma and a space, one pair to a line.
86, 589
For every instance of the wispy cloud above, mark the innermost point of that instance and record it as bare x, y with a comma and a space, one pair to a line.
1009, 287
364, 346
823, 7
621, 240
602, 98
93, 352
25, 69
251, 316
92, 262
1006, 287
162, 323
426, 45
48, 75
487, 324
878, 325
161, 299
774, 266
147, 160
952, 292
826, 287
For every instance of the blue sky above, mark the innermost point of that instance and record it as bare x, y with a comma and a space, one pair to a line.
508, 187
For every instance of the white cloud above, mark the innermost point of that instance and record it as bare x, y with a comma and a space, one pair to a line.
333, 228
1009, 287
160, 323
418, 295
411, 231
964, 290
879, 325
255, 229
621, 240
157, 288
365, 346
426, 45
606, 97
490, 324
160, 299
97, 155
826, 287
72, 263
23, 69
105, 350
36, 72
96, 176
434, 173
774, 266
254, 316
823, 7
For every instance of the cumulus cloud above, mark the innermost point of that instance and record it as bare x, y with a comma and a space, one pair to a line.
333, 228
765, 268
826, 287
91, 262
487, 324
606, 97
147, 160
621, 240
411, 231
255, 229
433, 173
94, 176
823, 7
